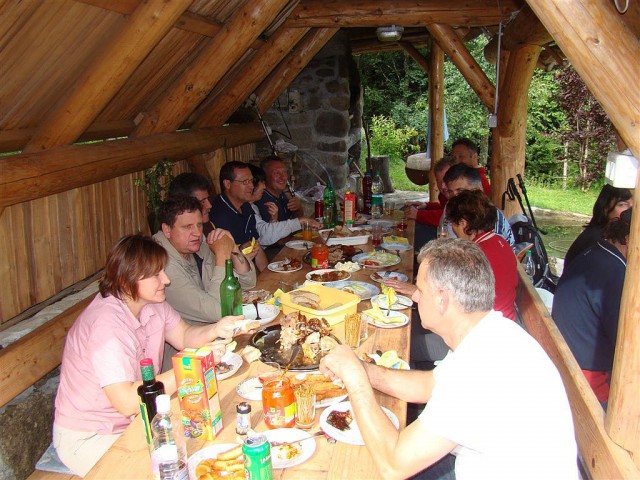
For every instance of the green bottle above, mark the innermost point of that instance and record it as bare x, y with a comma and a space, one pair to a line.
330, 209
230, 292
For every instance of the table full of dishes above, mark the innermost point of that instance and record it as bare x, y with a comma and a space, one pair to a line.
321, 450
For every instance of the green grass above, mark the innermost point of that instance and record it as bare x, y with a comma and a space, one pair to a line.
541, 196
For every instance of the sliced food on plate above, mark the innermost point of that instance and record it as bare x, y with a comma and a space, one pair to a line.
377, 259
327, 275
363, 290
286, 265
381, 276
289, 447
326, 390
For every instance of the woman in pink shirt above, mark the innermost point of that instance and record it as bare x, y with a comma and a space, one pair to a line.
473, 217
127, 321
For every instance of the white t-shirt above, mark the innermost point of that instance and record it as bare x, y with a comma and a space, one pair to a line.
499, 397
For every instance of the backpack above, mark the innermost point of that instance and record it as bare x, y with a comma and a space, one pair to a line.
525, 233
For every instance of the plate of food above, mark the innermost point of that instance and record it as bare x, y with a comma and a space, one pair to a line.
298, 449
377, 259
250, 296
363, 290
267, 312
216, 461
379, 318
276, 342
326, 275
287, 265
327, 392
228, 365
396, 246
343, 235
339, 422
300, 244
337, 253
400, 303
384, 275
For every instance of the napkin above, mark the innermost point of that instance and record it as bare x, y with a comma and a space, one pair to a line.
275, 300
378, 316
390, 359
395, 239
390, 293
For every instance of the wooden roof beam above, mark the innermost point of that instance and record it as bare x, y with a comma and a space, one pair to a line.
372, 13
28, 176
447, 39
100, 82
224, 103
291, 66
220, 54
416, 55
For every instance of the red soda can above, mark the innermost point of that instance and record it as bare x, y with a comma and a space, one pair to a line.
319, 209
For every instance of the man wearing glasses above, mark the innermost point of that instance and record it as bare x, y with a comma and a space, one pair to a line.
231, 210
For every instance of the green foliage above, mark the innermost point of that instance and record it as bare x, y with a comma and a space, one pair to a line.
387, 139
155, 183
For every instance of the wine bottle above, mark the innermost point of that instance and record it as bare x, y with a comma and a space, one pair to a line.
230, 292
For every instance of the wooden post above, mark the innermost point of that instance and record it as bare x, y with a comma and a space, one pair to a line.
100, 82
623, 415
510, 137
214, 61
446, 37
291, 66
220, 107
436, 114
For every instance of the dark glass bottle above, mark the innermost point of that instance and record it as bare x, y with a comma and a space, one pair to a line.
230, 292
366, 192
147, 393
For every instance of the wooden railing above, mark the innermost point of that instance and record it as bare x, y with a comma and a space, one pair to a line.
601, 456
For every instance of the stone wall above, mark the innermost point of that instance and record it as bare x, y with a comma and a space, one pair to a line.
322, 112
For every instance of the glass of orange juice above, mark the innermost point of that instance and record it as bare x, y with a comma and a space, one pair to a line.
307, 232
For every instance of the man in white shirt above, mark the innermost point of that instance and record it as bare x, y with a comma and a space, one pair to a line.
496, 401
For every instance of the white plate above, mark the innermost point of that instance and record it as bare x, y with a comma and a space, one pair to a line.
309, 276
401, 277
267, 312
251, 389
396, 246
232, 359
351, 436
206, 453
363, 290
276, 267
394, 313
300, 244
401, 303
307, 447
354, 240
363, 257
327, 401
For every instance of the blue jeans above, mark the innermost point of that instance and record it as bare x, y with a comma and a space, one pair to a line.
443, 469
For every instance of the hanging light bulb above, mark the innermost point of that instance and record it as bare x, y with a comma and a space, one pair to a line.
389, 34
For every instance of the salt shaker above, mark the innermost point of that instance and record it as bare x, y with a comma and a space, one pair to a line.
243, 418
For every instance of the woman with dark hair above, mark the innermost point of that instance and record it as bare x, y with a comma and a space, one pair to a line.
473, 217
127, 321
611, 202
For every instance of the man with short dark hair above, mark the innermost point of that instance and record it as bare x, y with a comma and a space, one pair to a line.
276, 185
496, 402
197, 267
194, 185
465, 151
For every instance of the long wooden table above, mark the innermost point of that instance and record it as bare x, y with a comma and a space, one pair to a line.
128, 458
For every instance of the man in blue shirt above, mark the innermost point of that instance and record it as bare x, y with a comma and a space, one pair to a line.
231, 209
276, 185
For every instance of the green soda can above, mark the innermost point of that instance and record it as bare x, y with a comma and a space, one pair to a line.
257, 458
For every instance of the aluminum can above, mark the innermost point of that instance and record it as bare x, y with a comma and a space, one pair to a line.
319, 209
257, 458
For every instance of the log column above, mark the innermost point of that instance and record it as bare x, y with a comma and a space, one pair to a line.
436, 113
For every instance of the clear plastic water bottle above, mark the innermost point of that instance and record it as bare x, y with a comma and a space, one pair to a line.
377, 188
168, 449
529, 266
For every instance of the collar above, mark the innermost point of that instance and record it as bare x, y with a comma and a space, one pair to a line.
612, 250
481, 237
227, 202
267, 192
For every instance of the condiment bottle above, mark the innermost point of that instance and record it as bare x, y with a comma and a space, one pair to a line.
230, 292
350, 207
319, 256
243, 418
147, 393
278, 403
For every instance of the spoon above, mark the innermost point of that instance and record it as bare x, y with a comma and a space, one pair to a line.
294, 353
255, 304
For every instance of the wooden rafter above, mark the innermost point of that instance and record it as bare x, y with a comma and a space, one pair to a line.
29, 176
372, 13
371, 45
99, 83
195, 83
446, 37
291, 66
416, 55
219, 108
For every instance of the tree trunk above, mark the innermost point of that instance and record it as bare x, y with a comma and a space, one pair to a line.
380, 164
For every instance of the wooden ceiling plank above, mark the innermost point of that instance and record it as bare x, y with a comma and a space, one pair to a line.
29, 176
416, 55
247, 80
100, 82
372, 13
460, 56
291, 66
604, 52
222, 52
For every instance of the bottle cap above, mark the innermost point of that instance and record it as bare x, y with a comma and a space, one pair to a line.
163, 403
146, 362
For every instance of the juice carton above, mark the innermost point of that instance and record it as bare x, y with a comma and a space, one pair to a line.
200, 411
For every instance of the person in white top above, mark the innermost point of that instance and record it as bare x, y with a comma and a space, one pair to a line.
496, 402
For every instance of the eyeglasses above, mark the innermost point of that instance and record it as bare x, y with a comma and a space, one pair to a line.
245, 182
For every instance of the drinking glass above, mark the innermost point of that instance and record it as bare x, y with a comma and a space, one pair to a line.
376, 234
443, 231
307, 232
388, 208
305, 406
